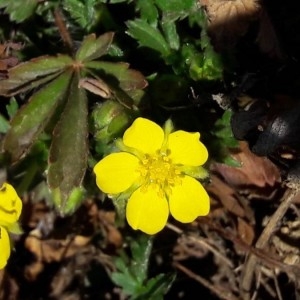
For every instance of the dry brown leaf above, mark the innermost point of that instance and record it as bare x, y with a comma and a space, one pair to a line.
113, 235
255, 171
229, 19
245, 231
53, 250
226, 196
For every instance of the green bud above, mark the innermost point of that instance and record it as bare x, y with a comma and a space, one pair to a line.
109, 120
69, 206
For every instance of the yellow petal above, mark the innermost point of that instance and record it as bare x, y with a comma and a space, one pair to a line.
10, 205
116, 172
4, 246
188, 200
144, 135
186, 149
147, 210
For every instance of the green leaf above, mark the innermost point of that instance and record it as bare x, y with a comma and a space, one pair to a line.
4, 124
92, 48
141, 250
12, 107
114, 1
126, 281
223, 140
232, 162
222, 128
33, 73
148, 11
19, 10
128, 79
31, 119
82, 12
156, 287
15, 228
178, 6
73, 201
68, 151
170, 31
148, 36
132, 272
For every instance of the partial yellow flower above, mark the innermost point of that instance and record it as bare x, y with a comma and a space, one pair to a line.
10, 210
158, 169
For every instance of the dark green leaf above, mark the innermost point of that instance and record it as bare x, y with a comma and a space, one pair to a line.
148, 11
74, 200
126, 281
141, 250
171, 34
178, 6
30, 74
115, 1
223, 140
156, 287
19, 10
4, 124
68, 152
92, 48
12, 107
32, 118
82, 12
148, 36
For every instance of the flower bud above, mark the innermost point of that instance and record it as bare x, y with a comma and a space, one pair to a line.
69, 206
109, 120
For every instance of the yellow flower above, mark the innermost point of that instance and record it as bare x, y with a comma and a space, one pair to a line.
156, 167
10, 210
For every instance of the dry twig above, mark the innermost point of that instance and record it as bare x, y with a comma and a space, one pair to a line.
251, 263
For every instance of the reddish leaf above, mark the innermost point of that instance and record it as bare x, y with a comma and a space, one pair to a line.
33, 117
33, 73
68, 152
128, 79
92, 48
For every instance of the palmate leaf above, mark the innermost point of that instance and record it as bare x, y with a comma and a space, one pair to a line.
32, 118
69, 148
132, 272
60, 102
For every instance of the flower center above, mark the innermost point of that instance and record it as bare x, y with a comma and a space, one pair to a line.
159, 170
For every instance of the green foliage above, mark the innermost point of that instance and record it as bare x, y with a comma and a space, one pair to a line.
83, 12
61, 104
224, 140
198, 58
148, 36
67, 108
148, 11
19, 10
11, 109
132, 272
4, 124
